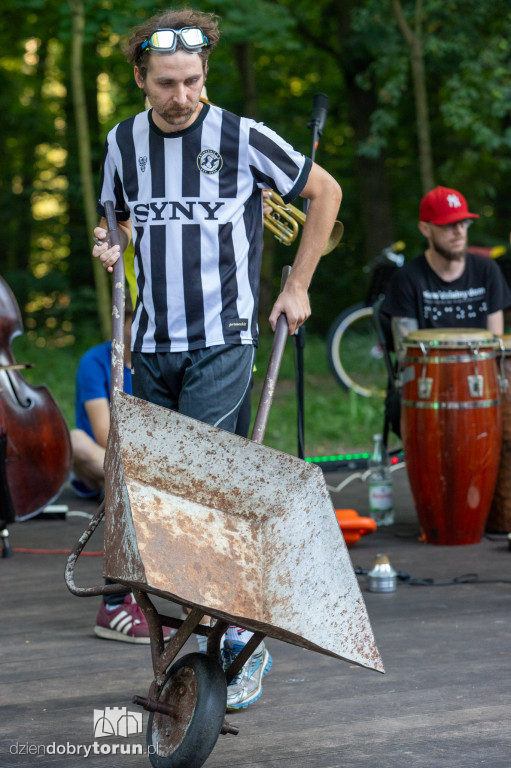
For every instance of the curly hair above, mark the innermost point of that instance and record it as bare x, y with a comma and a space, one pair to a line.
173, 19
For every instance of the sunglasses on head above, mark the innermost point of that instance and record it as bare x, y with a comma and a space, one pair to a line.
165, 40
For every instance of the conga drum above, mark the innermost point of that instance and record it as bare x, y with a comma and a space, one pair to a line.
499, 519
451, 429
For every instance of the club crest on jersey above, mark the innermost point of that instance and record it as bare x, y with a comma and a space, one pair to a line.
142, 161
209, 161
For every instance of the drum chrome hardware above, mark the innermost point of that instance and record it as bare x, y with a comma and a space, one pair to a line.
503, 380
476, 385
424, 387
424, 383
475, 382
499, 518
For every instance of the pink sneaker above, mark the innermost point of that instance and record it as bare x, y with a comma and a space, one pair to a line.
126, 623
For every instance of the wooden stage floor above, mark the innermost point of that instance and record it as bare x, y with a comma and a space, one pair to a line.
444, 700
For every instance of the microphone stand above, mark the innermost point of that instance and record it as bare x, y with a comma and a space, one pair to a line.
316, 124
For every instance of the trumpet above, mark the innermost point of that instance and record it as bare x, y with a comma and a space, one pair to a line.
285, 219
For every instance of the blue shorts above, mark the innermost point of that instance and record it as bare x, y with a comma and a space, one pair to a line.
206, 384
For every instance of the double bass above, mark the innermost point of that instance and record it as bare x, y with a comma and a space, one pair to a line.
35, 447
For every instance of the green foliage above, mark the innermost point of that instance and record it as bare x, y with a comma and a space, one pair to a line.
351, 50
245, 21
467, 55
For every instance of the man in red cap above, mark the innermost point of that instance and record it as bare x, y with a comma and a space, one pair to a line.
447, 286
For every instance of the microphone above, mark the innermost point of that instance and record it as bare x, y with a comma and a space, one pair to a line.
319, 112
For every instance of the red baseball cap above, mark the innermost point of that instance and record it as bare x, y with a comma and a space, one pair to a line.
444, 206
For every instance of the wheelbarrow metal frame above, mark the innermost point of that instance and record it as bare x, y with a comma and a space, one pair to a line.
116, 495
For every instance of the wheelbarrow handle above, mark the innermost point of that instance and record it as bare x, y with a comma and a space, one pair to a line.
117, 378
118, 290
108, 589
272, 374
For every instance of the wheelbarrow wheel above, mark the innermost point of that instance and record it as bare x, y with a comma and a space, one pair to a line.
195, 687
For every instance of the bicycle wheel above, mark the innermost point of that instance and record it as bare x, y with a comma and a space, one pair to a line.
354, 353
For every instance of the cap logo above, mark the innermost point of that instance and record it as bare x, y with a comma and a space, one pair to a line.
454, 201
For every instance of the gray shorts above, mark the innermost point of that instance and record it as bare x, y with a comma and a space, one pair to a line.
206, 384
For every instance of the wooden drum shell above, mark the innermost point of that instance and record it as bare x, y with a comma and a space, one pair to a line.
499, 519
451, 436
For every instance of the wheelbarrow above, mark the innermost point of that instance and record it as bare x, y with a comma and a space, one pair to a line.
231, 530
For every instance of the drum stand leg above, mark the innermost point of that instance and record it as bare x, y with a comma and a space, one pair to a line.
6, 547
6, 504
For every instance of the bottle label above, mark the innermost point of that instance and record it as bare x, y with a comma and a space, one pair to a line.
380, 496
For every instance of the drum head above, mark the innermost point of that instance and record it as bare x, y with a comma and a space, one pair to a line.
452, 337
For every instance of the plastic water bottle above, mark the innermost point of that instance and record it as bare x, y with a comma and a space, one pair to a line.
381, 508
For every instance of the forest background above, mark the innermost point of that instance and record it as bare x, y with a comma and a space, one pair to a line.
419, 94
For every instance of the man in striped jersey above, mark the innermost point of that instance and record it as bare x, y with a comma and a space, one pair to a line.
186, 179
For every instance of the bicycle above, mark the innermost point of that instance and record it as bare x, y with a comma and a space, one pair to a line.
354, 353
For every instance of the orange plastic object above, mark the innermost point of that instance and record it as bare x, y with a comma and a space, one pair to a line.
353, 526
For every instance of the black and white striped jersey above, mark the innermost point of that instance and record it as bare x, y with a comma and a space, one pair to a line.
195, 204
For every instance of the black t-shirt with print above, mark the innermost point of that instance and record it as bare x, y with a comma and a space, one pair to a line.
417, 291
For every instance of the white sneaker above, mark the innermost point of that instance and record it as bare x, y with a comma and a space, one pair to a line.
247, 686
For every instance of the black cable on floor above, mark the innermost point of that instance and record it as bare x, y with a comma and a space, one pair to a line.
466, 578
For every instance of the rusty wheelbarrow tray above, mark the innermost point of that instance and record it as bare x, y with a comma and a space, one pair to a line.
232, 530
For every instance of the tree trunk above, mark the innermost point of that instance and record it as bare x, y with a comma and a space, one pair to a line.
413, 39
244, 54
376, 214
80, 265
84, 156
352, 58
375, 207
